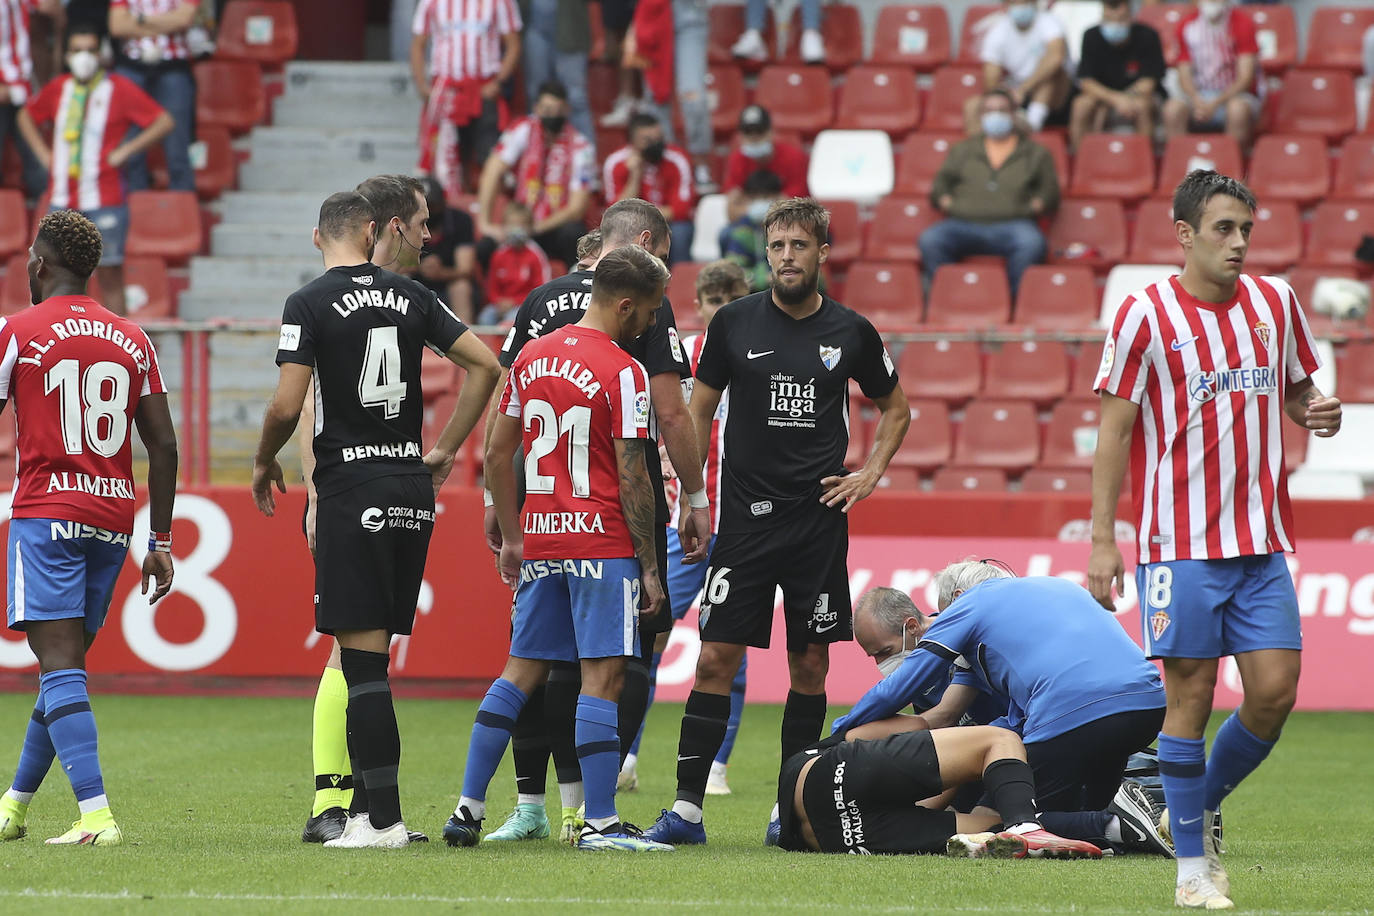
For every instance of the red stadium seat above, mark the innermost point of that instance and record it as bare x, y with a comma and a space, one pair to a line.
1276, 32
229, 94
1054, 141
438, 375
1164, 19
1114, 165
953, 85
970, 296
726, 95
726, 24
1276, 240
1085, 370
1355, 373
1033, 370
682, 292
1186, 152
1072, 435
1090, 232
887, 293
164, 224
1334, 34
896, 224
894, 478
603, 86
982, 480
844, 36
1294, 446
1317, 102
1056, 480
1355, 172
214, 174
912, 36
928, 442
879, 98
434, 417
263, 31
998, 434
14, 223
798, 98
1056, 298
1154, 241
947, 370
977, 19
1336, 230
846, 231
14, 295
919, 158
147, 293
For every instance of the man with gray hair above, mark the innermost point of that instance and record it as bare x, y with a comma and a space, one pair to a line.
1081, 693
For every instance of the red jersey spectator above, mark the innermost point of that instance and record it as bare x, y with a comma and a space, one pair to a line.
517, 267
759, 151
554, 171
649, 47
1217, 68
474, 49
16, 75
92, 112
648, 168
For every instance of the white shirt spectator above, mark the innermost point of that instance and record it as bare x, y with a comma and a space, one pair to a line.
1019, 52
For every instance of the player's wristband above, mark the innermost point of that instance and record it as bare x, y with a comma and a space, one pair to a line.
698, 499
487, 500
162, 542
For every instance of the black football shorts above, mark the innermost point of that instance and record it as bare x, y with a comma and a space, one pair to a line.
371, 542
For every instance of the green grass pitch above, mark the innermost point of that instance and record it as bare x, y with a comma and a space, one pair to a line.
212, 792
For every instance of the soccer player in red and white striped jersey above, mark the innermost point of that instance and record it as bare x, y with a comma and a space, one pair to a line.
474, 48
1196, 375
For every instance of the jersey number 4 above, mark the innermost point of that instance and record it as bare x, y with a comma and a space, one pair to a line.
381, 384
93, 406
576, 424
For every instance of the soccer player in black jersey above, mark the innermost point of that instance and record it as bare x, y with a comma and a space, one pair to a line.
563, 301
358, 331
786, 354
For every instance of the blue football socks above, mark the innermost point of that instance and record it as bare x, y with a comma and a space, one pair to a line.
598, 750
1183, 770
1236, 752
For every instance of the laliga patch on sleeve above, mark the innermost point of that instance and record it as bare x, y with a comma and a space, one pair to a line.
641, 408
290, 337
675, 344
1108, 357
510, 337
887, 362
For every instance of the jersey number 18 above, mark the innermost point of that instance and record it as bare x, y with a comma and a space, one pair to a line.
92, 406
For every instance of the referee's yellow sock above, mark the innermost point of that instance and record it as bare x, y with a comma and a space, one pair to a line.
329, 743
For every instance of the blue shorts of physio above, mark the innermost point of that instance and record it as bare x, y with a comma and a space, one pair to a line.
59, 570
1215, 608
566, 610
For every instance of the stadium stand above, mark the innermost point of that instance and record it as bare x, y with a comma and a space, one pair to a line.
946, 370
912, 36
725, 22
798, 97
889, 294
969, 295
843, 29
1184, 153
1056, 298
998, 434
1317, 102
896, 224
1337, 228
1091, 232
1058, 147
851, 164
928, 444
1276, 33
263, 31
1056, 480
1334, 34
1114, 165
879, 98
953, 480
229, 94
164, 224
727, 95
1276, 240
1289, 167
846, 232
14, 224
919, 159
977, 18
1164, 19
1355, 172
952, 86
1028, 370
1071, 435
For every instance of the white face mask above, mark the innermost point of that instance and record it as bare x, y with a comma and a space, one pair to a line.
83, 64
758, 209
894, 661
1022, 14
1212, 10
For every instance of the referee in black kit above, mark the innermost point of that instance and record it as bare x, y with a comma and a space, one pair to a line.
359, 330
787, 355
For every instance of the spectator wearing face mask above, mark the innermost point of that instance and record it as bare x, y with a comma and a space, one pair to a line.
1025, 53
648, 168
1120, 71
759, 151
1217, 72
992, 188
744, 241
517, 266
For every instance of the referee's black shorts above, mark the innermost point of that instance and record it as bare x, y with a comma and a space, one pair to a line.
808, 558
371, 542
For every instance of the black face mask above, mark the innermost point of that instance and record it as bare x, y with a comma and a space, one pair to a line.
654, 152
553, 124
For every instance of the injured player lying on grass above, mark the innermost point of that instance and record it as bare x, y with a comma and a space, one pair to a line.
883, 788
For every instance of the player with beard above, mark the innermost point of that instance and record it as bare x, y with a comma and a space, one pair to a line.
787, 355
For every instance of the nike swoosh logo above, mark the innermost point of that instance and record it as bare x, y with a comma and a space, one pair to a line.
752, 355
1183, 821
681, 758
1180, 344
827, 629
812, 750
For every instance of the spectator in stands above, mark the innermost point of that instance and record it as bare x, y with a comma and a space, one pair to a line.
475, 48
449, 262
751, 46
1026, 54
517, 267
558, 39
650, 169
93, 112
588, 248
1119, 72
758, 150
616, 16
744, 241
554, 172
16, 75
1217, 73
992, 188
690, 37
156, 56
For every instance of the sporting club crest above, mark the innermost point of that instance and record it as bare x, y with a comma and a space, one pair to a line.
830, 356
1262, 332
1159, 622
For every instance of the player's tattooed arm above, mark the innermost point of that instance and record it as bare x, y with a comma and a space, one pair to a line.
1309, 408
637, 502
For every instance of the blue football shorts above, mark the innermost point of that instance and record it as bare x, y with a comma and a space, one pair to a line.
60, 569
684, 582
566, 610
1214, 608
